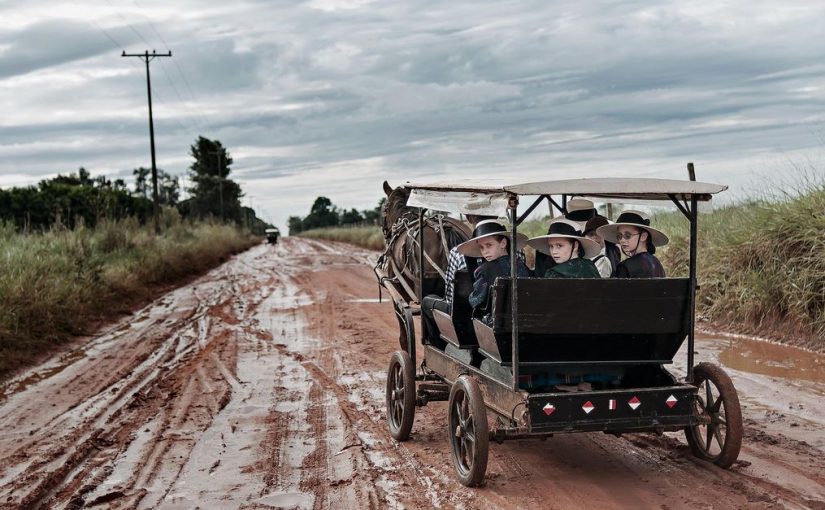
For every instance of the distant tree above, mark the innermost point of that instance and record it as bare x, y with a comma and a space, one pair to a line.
374, 215
142, 181
322, 214
295, 224
351, 217
168, 189
213, 193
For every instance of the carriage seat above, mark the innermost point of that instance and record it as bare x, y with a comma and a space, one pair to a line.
577, 323
457, 327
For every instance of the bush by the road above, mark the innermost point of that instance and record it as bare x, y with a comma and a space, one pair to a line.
55, 284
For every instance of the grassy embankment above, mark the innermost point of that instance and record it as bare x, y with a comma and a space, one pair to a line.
367, 237
761, 263
56, 284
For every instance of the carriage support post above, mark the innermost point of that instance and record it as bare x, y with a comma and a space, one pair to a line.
513, 205
694, 220
411, 341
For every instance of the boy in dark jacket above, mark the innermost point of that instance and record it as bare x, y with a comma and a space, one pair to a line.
491, 242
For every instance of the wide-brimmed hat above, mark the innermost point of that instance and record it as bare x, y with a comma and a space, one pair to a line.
580, 210
636, 219
488, 228
594, 223
566, 229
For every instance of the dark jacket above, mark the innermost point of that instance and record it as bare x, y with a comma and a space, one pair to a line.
574, 268
641, 265
486, 274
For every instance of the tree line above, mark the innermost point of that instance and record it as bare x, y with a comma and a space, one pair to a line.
69, 200
324, 213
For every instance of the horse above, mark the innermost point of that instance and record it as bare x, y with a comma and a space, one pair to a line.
400, 262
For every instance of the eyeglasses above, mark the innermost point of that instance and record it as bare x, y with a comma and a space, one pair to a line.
626, 236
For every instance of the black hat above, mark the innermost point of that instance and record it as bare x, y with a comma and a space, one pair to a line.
636, 219
487, 228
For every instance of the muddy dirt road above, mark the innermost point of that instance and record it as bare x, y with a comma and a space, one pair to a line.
260, 385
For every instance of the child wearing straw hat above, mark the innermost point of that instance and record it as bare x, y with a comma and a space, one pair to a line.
638, 240
570, 250
491, 242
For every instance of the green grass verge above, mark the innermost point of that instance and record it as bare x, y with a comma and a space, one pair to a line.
53, 285
761, 263
366, 237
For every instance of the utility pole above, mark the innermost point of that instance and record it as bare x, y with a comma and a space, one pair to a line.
147, 57
219, 154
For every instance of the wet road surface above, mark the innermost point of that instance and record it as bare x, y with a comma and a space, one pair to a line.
261, 385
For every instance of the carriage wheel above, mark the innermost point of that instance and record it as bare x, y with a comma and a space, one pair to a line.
400, 396
468, 431
718, 436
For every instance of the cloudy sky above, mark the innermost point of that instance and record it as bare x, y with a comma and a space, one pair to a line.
331, 97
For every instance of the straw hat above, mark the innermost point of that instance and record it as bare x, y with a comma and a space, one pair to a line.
484, 229
636, 219
580, 210
565, 229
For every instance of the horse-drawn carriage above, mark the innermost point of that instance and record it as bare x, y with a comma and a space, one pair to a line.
548, 336
272, 235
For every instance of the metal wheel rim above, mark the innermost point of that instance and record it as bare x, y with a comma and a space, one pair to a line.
711, 434
396, 400
463, 436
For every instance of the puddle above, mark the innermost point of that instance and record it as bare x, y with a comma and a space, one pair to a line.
35, 377
773, 360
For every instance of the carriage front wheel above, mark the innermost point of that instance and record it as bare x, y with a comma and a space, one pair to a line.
717, 437
400, 395
468, 431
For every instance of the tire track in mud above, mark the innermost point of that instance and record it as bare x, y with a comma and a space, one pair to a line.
261, 386
162, 381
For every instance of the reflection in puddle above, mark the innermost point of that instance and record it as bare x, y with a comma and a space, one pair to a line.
773, 360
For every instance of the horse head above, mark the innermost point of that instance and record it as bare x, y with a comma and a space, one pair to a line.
394, 207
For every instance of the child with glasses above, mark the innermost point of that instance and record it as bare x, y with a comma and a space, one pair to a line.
638, 240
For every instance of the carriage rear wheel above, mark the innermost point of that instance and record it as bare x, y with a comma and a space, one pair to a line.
468, 431
400, 395
717, 437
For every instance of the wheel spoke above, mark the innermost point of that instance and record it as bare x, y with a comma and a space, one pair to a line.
716, 405
708, 393
718, 435
471, 450
708, 436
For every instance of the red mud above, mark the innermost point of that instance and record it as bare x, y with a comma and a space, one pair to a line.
261, 385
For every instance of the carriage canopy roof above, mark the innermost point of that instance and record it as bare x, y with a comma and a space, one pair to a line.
491, 196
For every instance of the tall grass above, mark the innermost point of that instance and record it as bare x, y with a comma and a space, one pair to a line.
54, 284
761, 264
369, 237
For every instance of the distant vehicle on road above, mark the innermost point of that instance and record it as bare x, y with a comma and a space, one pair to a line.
272, 235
